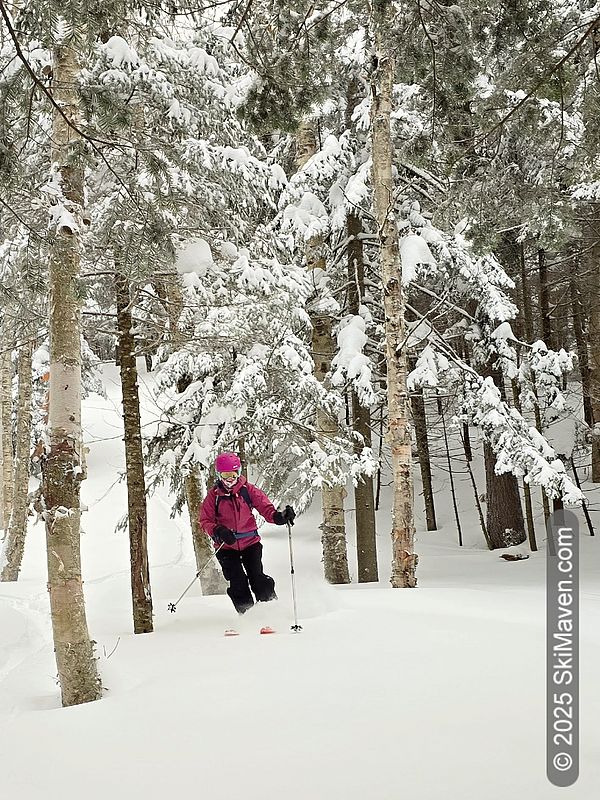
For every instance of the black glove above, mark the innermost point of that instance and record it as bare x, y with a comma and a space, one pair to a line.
223, 535
282, 517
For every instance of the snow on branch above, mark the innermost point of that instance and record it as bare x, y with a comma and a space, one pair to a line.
518, 449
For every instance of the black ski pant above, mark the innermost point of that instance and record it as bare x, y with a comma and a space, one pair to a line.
244, 571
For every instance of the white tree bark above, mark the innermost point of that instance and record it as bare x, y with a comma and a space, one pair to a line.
14, 545
77, 671
333, 537
404, 559
211, 577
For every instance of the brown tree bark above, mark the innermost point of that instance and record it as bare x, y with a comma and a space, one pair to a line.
591, 259
578, 317
14, 545
141, 594
333, 536
545, 309
419, 416
404, 559
364, 500
77, 670
504, 519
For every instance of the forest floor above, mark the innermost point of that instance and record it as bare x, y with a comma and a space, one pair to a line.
433, 693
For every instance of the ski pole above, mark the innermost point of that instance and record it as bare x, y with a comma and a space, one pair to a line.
173, 606
295, 627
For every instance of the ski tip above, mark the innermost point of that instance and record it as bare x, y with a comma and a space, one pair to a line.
231, 632
267, 629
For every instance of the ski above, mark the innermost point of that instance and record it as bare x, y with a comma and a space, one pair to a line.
265, 630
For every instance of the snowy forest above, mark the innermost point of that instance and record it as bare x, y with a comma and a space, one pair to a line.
357, 243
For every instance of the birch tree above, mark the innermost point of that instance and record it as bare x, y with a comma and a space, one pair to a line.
404, 559
14, 544
77, 670
333, 537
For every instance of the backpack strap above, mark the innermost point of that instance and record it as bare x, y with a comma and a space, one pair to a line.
244, 493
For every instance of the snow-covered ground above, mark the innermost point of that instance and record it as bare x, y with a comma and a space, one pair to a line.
425, 694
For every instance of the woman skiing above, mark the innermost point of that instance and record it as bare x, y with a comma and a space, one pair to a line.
226, 516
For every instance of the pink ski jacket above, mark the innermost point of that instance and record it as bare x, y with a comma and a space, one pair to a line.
235, 513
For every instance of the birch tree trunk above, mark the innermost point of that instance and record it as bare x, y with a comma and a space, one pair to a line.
333, 538
141, 594
6, 375
211, 578
77, 670
404, 559
14, 545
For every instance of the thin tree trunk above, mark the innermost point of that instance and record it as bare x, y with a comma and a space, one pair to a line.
545, 311
14, 546
77, 669
364, 500
476, 498
333, 538
527, 313
419, 416
6, 375
578, 316
451, 476
591, 244
211, 577
137, 515
404, 559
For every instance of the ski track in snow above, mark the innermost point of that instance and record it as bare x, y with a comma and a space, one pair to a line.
429, 694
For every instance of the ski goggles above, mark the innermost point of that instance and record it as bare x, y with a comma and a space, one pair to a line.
229, 475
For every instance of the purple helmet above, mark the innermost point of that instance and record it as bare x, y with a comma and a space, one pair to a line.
228, 462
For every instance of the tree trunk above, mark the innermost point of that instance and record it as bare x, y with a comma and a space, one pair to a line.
141, 594
578, 316
505, 523
211, 577
6, 376
545, 310
333, 537
364, 500
591, 247
14, 545
420, 422
77, 670
404, 559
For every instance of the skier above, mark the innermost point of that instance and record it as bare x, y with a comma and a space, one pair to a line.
226, 516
